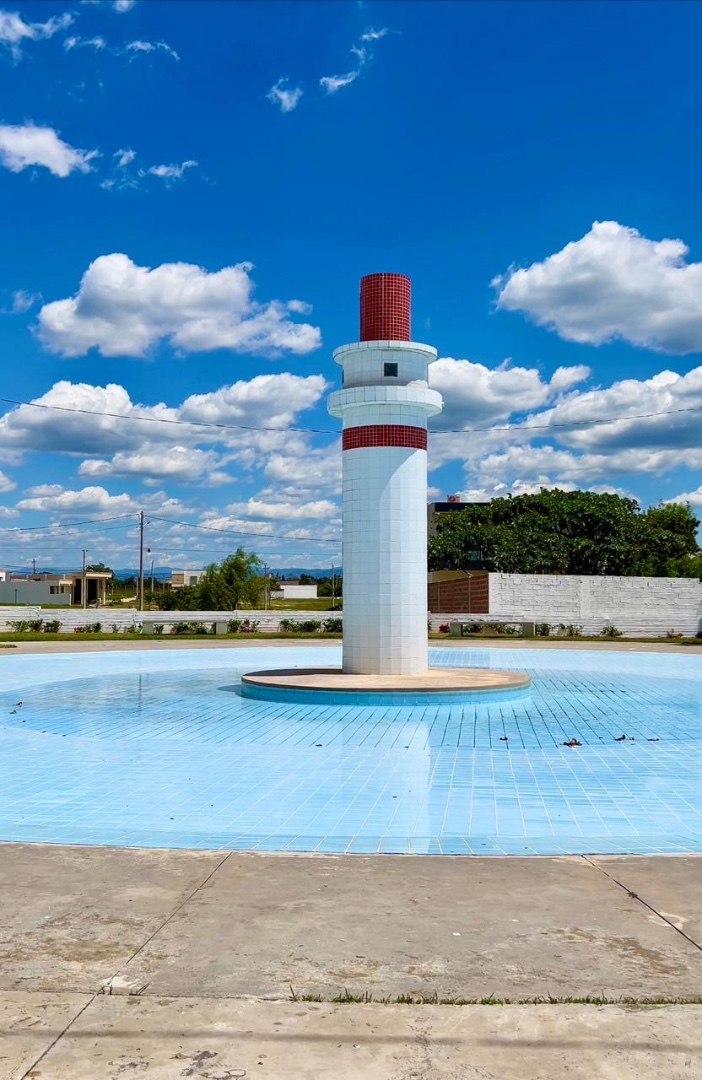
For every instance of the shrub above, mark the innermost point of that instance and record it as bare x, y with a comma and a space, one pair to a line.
490, 628
542, 629
569, 630
157, 628
52, 626
333, 626
115, 628
444, 628
243, 626
19, 625
287, 625
673, 634
309, 626
35, 625
78, 629
610, 631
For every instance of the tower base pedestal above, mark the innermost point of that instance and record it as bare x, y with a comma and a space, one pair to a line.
332, 686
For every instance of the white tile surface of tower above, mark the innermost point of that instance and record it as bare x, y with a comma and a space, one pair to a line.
384, 405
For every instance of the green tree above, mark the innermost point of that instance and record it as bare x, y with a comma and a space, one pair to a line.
99, 568
564, 532
229, 584
223, 587
670, 539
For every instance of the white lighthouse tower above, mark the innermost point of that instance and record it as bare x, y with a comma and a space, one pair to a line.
384, 405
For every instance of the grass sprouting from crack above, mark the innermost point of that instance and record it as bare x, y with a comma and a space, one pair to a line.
365, 997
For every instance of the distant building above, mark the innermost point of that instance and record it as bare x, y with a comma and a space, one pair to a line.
182, 578
293, 590
60, 589
453, 504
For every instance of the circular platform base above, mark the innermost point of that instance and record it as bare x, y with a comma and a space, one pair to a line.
332, 686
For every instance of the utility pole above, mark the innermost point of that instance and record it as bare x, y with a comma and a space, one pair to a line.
34, 566
266, 588
84, 583
141, 560
333, 589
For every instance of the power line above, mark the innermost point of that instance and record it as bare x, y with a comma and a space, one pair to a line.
337, 431
66, 525
166, 420
240, 532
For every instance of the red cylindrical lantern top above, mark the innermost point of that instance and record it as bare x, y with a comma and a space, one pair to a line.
386, 301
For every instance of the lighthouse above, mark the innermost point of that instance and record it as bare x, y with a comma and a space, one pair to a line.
384, 404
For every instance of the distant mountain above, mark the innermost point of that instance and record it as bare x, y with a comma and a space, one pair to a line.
163, 573
295, 571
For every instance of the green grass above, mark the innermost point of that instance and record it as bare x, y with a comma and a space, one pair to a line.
554, 639
322, 603
31, 635
367, 998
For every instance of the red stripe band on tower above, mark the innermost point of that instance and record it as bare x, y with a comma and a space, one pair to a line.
384, 435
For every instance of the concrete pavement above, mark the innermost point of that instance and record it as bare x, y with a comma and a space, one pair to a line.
169, 964
73, 644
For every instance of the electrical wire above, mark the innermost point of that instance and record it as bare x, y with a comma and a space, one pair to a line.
67, 525
337, 431
241, 532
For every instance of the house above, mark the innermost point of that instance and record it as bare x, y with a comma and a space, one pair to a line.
293, 590
181, 578
62, 590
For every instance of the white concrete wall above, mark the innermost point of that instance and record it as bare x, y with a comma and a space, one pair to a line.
636, 605
296, 592
31, 592
123, 618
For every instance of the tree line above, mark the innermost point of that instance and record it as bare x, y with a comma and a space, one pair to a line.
570, 532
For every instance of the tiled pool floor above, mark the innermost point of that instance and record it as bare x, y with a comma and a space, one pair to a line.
158, 749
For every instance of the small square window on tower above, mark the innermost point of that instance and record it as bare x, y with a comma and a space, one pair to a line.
390, 371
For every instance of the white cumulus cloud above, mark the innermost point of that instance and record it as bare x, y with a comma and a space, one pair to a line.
22, 301
93, 501
14, 31
332, 83
122, 6
694, 498
182, 464
27, 145
6, 484
123, 310
98, 43
375, 35
475, 393
284, 511
171, 172
613, 283
134, 48
124, 157
284, 96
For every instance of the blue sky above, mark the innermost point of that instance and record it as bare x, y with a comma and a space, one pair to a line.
192, 190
